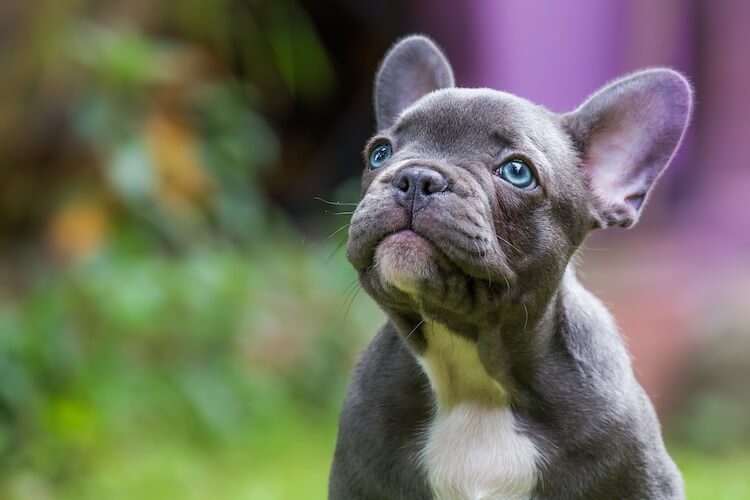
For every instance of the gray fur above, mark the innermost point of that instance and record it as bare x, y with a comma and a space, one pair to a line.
407, 74
500, 273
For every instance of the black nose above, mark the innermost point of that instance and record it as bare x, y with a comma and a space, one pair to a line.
416, 187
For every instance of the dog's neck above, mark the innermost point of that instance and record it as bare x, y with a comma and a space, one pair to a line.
485, 364
456, 374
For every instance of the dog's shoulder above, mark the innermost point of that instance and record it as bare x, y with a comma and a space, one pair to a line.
381, 425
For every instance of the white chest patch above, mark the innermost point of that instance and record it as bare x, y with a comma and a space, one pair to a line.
473, 450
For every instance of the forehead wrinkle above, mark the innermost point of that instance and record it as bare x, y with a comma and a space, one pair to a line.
505, 140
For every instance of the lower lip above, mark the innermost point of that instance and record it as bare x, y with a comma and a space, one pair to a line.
405, 259
408, 238
405, 235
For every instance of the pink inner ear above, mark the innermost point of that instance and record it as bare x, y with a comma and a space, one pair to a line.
631, 130
614, 164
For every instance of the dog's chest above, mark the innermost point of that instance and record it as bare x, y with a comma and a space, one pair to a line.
472, 449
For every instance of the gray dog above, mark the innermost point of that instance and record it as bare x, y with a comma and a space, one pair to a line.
497, 375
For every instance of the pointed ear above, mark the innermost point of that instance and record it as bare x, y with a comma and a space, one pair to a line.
412, 68
627, 133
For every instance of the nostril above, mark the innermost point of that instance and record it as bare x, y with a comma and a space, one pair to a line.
433, 183
402, 183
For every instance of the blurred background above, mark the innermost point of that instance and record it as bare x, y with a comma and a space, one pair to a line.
177, 317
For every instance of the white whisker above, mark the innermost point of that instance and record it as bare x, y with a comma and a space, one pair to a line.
336, 202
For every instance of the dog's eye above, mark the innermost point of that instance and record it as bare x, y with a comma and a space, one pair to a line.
380, 155
517, 173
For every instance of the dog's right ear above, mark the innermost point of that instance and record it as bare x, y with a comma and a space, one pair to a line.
413, 67
628, 132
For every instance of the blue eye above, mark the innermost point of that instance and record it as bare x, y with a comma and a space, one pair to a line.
517, 173
380, 155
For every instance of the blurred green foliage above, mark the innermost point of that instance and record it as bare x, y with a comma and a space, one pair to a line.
169, 330
201, 135
129, 352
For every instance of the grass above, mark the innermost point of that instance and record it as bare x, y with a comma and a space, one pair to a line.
289, 459
715, 477
291, 462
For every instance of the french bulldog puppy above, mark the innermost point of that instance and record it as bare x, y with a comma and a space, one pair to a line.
497, 375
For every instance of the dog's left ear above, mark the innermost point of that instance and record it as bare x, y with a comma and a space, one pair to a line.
627, 133
413, 67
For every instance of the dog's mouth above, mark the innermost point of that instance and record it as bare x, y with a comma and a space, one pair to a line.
443, 255
441, 263
419, 259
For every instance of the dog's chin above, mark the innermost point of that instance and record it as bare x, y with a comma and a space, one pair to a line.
406, 261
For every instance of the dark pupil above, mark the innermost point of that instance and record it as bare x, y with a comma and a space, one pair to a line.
380, 154
517, 169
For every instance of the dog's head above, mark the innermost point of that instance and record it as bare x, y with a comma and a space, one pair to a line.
472, 198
